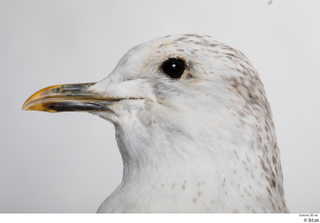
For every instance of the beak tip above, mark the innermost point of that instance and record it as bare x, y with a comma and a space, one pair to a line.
24, 107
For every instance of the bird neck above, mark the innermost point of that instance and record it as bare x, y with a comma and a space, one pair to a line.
220, 165
193, 156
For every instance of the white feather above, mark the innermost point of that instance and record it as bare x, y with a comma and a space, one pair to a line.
202, 143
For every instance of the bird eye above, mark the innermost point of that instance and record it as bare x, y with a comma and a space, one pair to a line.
173, 67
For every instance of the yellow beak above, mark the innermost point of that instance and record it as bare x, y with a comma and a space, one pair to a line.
68, 97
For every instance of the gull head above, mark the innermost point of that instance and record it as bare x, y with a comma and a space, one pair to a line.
193, 126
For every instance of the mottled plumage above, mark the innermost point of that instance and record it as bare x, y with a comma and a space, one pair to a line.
204, 142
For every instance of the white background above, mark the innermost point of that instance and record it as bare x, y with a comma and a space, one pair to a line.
69, 162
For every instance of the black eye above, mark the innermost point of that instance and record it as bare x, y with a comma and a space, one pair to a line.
173, 67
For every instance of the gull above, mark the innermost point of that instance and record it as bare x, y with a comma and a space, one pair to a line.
193, 126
